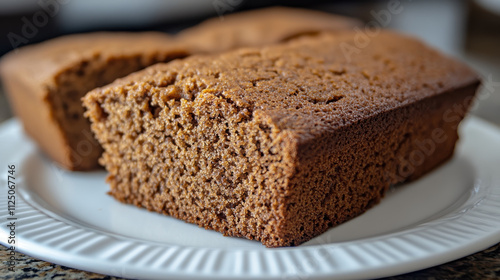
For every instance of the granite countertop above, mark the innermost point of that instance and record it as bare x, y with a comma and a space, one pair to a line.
482, 265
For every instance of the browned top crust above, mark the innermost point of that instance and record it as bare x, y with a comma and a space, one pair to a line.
308, 86
261, 27
43, 62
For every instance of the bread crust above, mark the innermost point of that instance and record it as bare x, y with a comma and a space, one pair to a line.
45, 82
262, 27
280, 143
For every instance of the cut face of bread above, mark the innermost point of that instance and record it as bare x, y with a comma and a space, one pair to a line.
279, 144
45, 83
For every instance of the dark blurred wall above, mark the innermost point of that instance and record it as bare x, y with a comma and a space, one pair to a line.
45, 19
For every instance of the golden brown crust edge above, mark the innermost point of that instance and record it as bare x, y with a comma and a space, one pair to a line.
262, 27
337, 179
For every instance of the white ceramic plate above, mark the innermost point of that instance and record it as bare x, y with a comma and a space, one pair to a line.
68, 219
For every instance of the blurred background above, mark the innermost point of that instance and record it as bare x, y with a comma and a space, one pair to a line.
466, 29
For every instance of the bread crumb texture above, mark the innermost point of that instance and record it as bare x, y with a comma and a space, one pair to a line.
46, 82
279, 143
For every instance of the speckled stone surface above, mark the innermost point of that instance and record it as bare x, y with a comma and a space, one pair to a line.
32, 268
482, 265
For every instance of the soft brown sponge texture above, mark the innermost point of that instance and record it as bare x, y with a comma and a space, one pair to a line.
45, 82
280, 143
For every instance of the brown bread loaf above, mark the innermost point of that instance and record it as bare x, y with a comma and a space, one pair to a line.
45, 83
280, 143
261, 27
